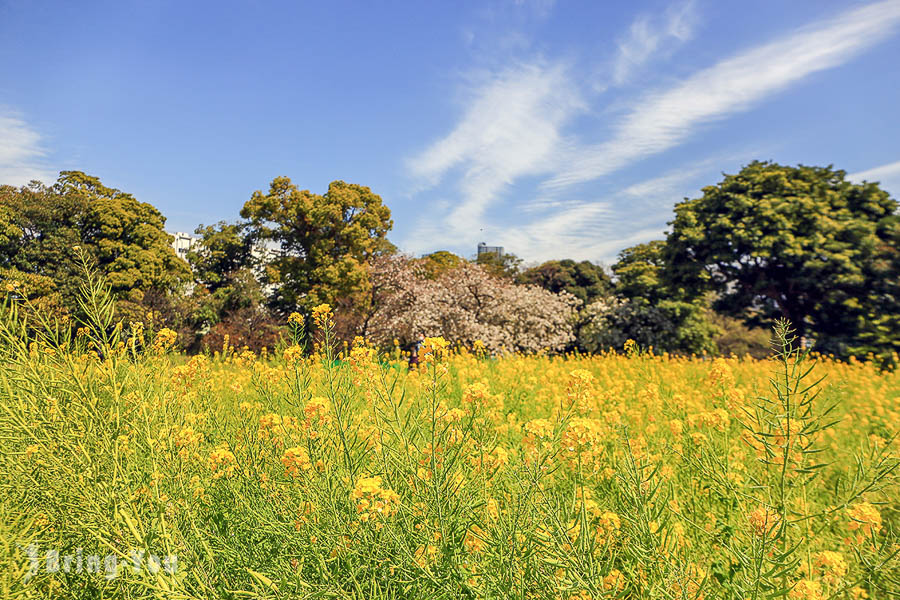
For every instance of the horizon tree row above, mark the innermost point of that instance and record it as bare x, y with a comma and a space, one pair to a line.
771, 241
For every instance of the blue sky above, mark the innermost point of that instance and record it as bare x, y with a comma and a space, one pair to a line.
556, 129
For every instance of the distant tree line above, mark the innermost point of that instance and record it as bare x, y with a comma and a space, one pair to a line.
771, 241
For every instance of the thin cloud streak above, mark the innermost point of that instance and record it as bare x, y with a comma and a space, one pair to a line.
513, 127
21, 152
647, 35
665, 119
887, 175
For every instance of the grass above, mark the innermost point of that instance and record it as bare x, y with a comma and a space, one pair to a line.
299, 475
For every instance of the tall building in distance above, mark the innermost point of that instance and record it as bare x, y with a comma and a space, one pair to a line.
485, 249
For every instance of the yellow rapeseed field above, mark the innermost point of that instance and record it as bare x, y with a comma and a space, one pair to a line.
336, 473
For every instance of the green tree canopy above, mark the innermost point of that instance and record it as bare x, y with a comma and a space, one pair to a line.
508, 265
326, 240
221, 250
796, 242
40, 227
584, 280
640, 272
646, 309
437, 263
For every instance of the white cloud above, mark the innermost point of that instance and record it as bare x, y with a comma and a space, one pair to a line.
649, 34
597, 230
888, 175
665, 119
21, 152
510, 128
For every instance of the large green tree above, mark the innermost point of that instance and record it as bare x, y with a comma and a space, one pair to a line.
640, 272
41, 227
225, 272
221, 250
326, 241
584, 280
645, 308
797, 242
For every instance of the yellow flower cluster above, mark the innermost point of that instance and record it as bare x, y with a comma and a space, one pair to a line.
434, 348
322, 316
763, 521
295, 461
864, 518
222, 462
831, 566
373, 501
164, 340
292, 354
807, 589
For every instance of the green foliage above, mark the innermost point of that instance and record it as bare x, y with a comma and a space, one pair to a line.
640, 272
673, 326
437, 263
646, 310
508, 265
795, 242
584, 280
41, 230
222, 249
326, 240
735, 338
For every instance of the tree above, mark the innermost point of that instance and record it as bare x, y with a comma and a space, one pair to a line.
41, 227
796, 242
326, 241
507, 265
438, 263
640, 272
584, 280
871, 326
646, 309
668, 326
465, 305
221, 250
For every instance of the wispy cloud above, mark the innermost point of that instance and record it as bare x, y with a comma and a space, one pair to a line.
512, 127
649, 34
665, 119
598, 229
888, 175
21, 152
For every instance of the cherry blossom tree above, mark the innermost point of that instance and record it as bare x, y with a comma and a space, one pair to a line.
465, 304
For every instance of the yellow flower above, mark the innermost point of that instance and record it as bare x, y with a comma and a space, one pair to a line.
434, 348
322, 315
222, 462
31, 451
426, 555
295, 318
164, 340
865, 518
763, 521
292, 354
806, 589
295, 460
372, 500
614, 581
831, 565
474, 540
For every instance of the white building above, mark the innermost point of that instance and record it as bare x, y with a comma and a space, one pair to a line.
182, 243
261, 254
